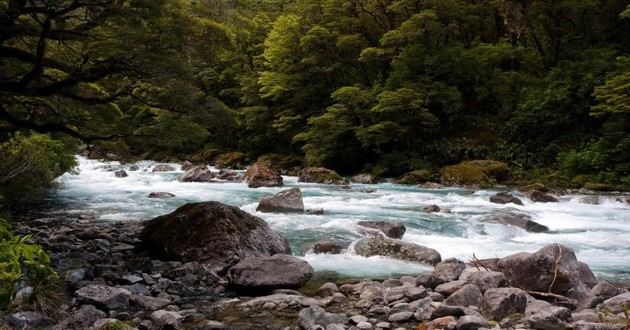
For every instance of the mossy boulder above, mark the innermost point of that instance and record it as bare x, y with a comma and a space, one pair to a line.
415, 177
475, 172
235, 160
321, 175
259, 175
282, 163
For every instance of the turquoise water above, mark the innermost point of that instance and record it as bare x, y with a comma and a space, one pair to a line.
600, 234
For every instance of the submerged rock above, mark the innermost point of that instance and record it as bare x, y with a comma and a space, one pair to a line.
211, 233
331, 247
285, 201
259, 175
504, 198
520, 220
199, 173
382, 246
539, 196
267, 273
393, 229
121, 174
161, 194
321, 175
431, 208
163, 168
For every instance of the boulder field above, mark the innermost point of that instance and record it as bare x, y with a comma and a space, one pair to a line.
213, 266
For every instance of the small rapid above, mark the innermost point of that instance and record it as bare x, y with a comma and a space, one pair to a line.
600, 234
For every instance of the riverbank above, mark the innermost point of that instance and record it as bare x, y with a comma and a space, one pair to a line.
109, 279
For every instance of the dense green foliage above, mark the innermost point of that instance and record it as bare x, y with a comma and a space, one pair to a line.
386, 86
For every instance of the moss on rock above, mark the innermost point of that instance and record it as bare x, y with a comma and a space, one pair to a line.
235, 160
475, 172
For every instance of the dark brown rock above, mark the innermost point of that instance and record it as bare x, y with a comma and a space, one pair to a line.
539, 196
259, 175
285, 201
199, 173
504, 198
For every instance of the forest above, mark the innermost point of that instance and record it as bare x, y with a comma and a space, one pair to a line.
377, 86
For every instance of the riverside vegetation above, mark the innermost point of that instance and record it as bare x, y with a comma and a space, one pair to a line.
471, 93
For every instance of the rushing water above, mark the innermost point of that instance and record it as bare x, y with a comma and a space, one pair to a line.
600, 234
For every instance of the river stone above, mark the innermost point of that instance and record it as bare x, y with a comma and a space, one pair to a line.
27, 320
383, 246
83, 318
449, 288
212, 233
431, 208
616, 304
316, 211
366, 178
149, 303
393, 229
605, 290
163, 168
400, 317
468, 295
505, 198
259, 175
501, 302
536, 271
470, 322
121, 174
516, 219
199, 173
285, 201
581, 325
161, 194
549, 319
586, 275
167, 319
449, 269
315, 315
103, 296
539, 196
331, 247
267, 273
321, 175
485, 280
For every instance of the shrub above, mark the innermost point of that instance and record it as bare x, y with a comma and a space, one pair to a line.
30, 163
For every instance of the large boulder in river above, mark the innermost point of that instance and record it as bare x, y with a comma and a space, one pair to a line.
393, 248
279, 271
199, 173
519, 220
321, 175
541, 197
259, 175
504, 198
554, 268
366, 178
285, 201
211, 233
393, 229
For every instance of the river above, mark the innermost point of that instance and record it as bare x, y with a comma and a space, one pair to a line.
600, 234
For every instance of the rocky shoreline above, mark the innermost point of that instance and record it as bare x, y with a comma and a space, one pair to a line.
111, 281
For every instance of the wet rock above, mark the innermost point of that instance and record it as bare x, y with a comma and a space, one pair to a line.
84, 317
549, 319
331, 247
229, 175
327, 289
468, 295
189, 234
163, 168
321, 175
121, 174
199, 173
431, 208
536, 271
592, 199
393, 229
161, 194
134, 168
505, 198
259, 175
268, 273
449, 269
617, 303
586, 315
149, 303
317, 211
186, 165
448, 288
541, 197
440, 323
285, 201
469, 322
103, 296
605, 290
382, 246
366, 178
315, 315
428, 280
501, 302
164, 319
447, 310
520, 220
